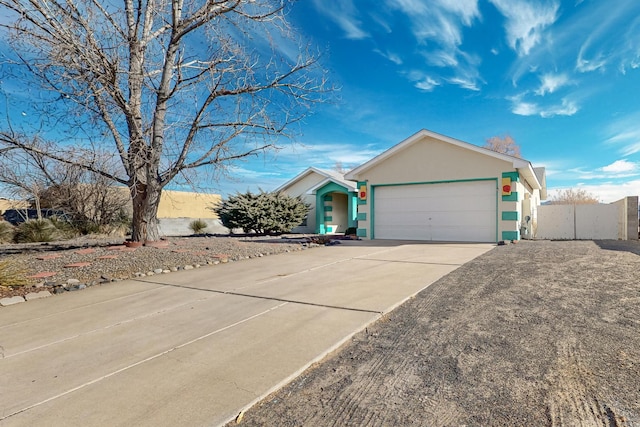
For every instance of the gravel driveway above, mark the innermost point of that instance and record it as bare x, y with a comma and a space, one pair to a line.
530, 334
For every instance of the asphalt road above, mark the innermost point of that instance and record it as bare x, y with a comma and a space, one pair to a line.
198, 347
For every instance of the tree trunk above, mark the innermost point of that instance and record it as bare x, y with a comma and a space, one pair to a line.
145, 200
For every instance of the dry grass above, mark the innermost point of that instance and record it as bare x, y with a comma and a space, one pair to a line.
12, 274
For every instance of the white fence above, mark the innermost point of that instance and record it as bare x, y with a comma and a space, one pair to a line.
618, 221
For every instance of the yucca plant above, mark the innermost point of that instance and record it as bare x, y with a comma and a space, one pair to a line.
197, 226
66, 230
12, 274
36, 230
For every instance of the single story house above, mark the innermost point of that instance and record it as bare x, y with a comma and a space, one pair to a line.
431, 187
332, 201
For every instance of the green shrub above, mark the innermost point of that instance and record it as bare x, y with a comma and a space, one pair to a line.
262, 213
197, 226
6, 232
37, 230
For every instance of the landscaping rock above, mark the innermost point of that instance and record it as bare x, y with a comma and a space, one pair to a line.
11, 301
37, 295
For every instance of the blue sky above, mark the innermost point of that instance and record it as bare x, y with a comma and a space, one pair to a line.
562, 78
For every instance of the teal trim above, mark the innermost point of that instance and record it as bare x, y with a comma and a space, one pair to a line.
511, 216
372, 212
510, 235
328, 218
362, 216
513, 197
352, 214
515, 176
323, 194
449, 181
361, 232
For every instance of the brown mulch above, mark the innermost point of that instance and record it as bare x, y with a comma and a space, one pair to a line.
91, 260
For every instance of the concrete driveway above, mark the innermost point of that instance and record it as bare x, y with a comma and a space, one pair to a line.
197, 347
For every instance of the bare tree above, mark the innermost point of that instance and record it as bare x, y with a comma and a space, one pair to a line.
90, 199
505, 145
22, 176
573, 196
339, 167
171, 85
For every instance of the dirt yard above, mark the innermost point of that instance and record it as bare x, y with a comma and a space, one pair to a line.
529, 334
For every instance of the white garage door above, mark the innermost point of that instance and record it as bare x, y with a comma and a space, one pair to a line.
456, 212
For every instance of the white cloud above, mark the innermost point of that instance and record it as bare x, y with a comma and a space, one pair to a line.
344, 14
393, 57
441, 22
566, 108
526, 22
621, 166
467, 10
523, 108
470, 84
442, 58
438, 26
588, 65
613, 36
427, 84
551, 83
625, 132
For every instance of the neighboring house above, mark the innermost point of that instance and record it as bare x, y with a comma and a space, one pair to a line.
184, 204
332, 201
177, 209
6, 204
433, 187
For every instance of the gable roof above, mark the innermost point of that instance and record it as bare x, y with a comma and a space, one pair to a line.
523, 166
329, 176
541, 174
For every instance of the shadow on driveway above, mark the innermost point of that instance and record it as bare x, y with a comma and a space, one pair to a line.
632, 246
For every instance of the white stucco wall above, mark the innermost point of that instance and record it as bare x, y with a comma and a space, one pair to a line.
589, 221
301, 188
339, 213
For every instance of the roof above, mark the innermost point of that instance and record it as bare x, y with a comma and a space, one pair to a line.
329, 176
541, 174
523, 166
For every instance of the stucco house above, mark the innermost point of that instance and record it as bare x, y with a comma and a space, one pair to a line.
332, 201
433, 187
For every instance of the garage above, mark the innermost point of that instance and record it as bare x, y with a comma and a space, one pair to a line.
455, 211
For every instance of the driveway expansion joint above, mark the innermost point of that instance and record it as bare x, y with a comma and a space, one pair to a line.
240, 294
